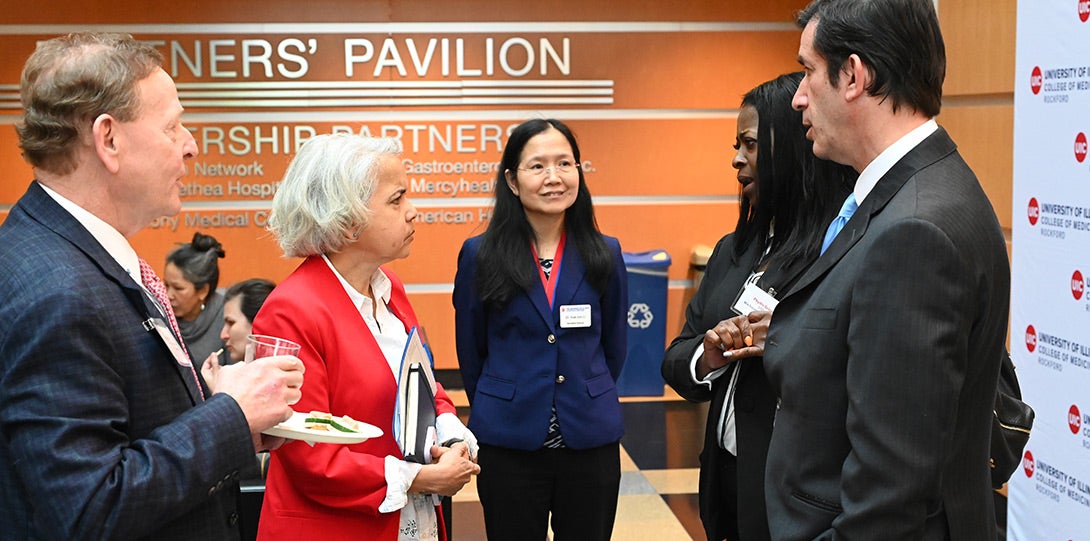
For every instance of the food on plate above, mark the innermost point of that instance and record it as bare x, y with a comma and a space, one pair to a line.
320, 420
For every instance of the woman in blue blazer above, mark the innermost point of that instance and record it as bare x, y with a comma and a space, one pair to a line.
540, 304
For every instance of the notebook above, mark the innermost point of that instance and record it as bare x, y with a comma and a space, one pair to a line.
414, 416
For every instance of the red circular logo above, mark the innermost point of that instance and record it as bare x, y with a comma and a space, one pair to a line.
1074, 419
1078, 286
1031, 338
1034, 210
1080, 143
1084, 10
1028, 465
1036, 80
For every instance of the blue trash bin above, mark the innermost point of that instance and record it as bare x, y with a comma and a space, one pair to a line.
647, 285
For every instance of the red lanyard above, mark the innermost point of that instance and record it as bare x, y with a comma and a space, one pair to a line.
549, 282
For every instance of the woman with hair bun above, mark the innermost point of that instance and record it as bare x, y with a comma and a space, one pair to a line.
191, 276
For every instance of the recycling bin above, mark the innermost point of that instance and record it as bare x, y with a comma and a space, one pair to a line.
647, 286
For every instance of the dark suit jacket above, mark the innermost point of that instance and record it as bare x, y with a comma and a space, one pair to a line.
516, 361
885, 357
743, 510
100, 434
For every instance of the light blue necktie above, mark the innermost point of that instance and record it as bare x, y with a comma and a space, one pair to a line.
846, 212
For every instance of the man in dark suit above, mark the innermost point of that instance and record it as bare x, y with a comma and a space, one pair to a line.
106, 431
885, 353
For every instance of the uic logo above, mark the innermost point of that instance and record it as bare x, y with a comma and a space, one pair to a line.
1074, 419
1080, 144
1034, 210
1036, 80
1078, 286
1028, 465
1084, 10
1031, 338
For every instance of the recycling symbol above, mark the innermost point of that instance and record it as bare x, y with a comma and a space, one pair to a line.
640, 316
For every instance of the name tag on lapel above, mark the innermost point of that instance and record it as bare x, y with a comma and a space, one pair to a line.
175, 348
752, 299
574, 316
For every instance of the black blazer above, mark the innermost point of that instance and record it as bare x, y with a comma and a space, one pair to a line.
885, 356
102, 432
744, 509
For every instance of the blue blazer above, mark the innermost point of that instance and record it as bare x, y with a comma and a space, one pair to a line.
517, 361
102, 433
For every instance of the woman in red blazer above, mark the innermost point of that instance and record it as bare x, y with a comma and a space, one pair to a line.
342, 206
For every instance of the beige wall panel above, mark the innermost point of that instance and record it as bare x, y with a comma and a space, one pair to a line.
979, 37
985, 137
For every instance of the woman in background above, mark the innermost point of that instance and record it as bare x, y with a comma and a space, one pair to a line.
191, 276
240, 306
342, 205
788, 198
540, 314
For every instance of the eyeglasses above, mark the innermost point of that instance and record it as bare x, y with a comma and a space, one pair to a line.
563, 167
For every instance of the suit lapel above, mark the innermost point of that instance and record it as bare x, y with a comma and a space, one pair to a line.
40, 206
345, 312
46, 211
572, 274
935, 147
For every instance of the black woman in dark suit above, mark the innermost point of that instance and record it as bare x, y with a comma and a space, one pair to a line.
788, 196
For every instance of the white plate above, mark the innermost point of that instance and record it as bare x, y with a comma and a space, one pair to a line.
294, 429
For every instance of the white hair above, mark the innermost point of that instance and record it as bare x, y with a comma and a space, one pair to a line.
325, 191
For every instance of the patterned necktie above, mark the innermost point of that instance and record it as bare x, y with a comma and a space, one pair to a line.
155, 285
846, 211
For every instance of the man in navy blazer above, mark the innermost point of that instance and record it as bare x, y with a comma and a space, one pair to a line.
885, 353
106, 432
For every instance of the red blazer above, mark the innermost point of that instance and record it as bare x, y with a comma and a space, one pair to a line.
333, 491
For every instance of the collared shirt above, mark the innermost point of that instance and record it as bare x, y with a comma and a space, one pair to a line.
417, 511
388, 330
111, 239
889, 157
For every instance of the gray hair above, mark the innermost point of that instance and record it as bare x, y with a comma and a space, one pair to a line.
324, 194
69, 81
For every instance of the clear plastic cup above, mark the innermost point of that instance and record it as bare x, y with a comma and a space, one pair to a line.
259, 346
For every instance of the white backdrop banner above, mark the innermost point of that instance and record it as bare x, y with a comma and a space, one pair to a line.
1050, 297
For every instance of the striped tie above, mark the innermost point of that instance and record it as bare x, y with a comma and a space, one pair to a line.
156, 287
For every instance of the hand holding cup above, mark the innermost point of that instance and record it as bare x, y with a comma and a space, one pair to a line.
266, 385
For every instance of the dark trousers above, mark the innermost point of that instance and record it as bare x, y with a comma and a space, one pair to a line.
720, 511
518, 489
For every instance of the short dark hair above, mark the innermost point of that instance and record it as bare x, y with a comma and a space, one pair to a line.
899, 42
198, 261
251, 295
68, 82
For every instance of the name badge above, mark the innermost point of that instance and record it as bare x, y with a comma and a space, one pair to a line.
175, 348
574, 316
753, 299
